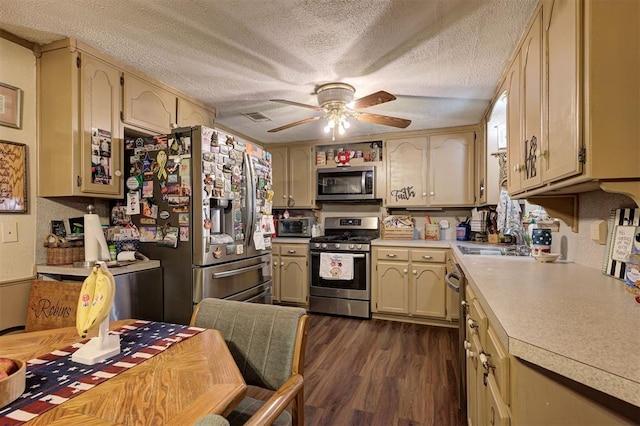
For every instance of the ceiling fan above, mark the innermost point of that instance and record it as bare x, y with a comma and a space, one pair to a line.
335, 100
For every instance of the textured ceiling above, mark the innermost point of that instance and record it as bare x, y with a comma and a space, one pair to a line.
441, 58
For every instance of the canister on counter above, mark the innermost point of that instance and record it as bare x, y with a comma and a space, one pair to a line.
431, 231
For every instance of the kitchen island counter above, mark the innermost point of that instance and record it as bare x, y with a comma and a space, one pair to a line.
142, 265
564, 317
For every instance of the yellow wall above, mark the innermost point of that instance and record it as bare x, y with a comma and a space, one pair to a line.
18, 68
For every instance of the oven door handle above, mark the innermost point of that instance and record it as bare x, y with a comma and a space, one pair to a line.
355, 256
238, 271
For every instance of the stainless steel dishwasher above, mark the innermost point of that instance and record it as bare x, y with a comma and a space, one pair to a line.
456, 281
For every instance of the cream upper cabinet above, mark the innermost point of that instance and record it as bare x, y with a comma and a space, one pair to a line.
191, 114
531, 98
148, 106
406, 172
451, 169
80, 144
293, 177
280, 176
588, 52
514, 130
301, 177
560, 157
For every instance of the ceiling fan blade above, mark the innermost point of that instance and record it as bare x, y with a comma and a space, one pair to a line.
295, 123
373, 99
382, 119
284, 101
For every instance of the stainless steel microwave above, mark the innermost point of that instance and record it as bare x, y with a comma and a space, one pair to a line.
346, 183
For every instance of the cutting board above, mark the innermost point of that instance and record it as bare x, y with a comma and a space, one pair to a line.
623, 238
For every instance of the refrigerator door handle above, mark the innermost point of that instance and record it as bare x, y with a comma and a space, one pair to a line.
238, 271
251, 199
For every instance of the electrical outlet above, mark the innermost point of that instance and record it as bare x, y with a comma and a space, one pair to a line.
9, 232
599, 232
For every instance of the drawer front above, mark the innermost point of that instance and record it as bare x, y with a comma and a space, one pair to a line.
392, 254
499, 359
470, 295
422, 255
294, 250
497, 413
477, 322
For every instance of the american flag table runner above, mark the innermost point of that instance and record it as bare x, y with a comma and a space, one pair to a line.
53, 378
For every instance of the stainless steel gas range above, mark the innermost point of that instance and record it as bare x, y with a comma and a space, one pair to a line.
340, 272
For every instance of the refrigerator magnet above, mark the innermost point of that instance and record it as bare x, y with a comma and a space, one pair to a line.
132, 183
146, 163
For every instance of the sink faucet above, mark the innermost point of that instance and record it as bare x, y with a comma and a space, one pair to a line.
520, 244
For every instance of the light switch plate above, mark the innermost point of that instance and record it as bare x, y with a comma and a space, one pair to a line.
599, 232
9, 232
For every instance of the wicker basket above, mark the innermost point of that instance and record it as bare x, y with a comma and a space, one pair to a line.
397, 233
391, 231
64, 255
61, 252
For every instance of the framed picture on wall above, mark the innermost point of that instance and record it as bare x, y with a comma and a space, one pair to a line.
13, 177
10, 106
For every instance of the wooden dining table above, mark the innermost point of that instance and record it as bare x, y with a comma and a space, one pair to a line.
191, 378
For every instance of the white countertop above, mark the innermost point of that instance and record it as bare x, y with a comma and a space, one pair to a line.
565, 317
141, 265
413, 243
290, 240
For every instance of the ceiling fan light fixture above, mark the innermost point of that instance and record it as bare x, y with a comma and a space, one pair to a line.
341, 93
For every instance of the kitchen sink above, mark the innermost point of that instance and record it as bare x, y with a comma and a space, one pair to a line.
491, 251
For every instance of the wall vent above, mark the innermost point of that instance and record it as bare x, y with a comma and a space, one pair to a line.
256, 116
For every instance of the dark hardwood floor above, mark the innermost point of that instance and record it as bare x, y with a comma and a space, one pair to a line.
374, 372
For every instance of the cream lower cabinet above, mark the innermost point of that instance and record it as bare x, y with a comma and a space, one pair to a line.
291, 273
504, 390
293, 177
80, 137
409, 282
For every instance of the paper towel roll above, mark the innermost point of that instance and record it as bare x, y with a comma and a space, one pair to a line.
126, 256
95, 245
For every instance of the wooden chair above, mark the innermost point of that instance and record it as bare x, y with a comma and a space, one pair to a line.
268, 345
52, 304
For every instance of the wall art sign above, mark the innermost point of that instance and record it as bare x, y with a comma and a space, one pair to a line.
13, 177
10, 106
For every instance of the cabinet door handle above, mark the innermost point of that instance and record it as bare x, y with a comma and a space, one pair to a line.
415, 272
292, 251
391, 255
405, 270
424, 194
118, 173
427, 257
432, 193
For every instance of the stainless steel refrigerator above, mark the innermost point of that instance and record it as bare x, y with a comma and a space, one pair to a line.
201, 199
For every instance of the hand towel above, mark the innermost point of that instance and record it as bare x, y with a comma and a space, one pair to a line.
336, 266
